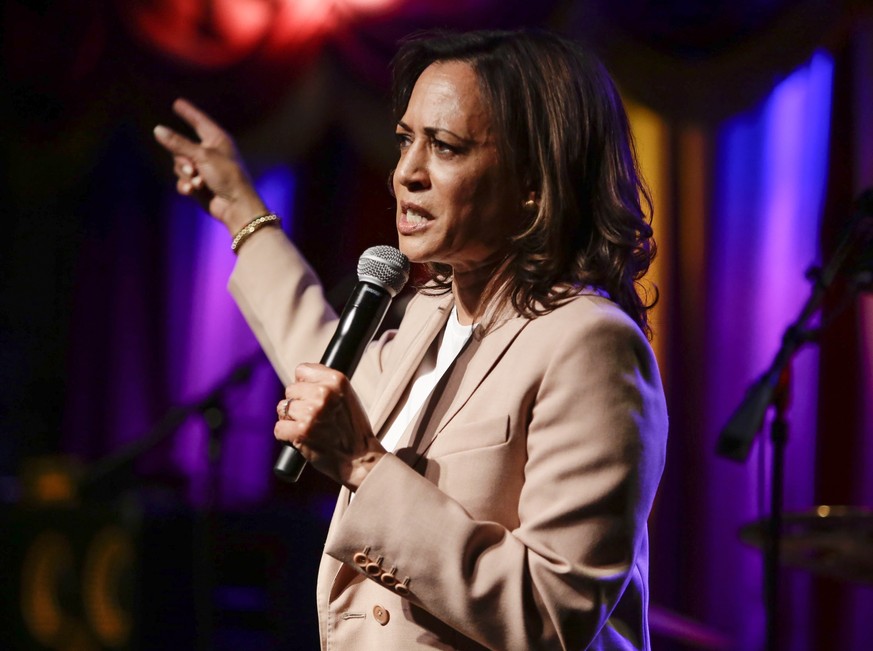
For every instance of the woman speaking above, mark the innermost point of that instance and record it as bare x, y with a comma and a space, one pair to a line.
500, 451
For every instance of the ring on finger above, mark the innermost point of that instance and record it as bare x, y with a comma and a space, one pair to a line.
285, 410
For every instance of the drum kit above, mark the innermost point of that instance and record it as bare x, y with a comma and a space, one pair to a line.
831, 541
828, 541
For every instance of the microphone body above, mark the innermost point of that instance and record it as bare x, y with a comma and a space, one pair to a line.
359, 321
382, 273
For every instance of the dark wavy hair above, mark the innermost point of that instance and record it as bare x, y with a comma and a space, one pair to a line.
563, 133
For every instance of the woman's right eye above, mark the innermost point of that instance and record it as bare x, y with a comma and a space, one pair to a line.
402, 139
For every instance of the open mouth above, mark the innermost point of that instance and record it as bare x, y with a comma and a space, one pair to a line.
412, 218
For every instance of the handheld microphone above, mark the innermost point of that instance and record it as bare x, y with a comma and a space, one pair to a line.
382, 273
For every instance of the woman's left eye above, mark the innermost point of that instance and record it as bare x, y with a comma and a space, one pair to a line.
444, 147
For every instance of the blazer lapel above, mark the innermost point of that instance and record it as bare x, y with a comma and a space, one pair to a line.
468, 372
480, 359
413, 341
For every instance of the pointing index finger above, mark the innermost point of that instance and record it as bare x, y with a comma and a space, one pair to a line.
205, 127
176, 144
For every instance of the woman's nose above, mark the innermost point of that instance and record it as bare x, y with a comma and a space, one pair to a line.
411, 171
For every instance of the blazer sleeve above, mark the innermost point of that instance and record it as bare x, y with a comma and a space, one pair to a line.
283, 303
595, 451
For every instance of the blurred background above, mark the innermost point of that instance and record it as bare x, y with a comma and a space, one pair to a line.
137, 502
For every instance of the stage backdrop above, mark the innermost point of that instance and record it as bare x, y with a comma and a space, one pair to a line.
753, 126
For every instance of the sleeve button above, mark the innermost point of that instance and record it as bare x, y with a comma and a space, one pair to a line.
374, 568
402, 588
361, 558
388, 577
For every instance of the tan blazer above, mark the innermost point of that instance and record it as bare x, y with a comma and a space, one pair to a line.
513, 513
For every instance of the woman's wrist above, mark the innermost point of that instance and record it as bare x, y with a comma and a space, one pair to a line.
241, 213
361, 467
256, 224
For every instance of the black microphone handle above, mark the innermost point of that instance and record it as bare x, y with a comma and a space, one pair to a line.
358, 323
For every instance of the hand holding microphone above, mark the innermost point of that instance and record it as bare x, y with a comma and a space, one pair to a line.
322, 397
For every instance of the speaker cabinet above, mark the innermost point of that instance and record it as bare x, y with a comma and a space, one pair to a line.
96, 578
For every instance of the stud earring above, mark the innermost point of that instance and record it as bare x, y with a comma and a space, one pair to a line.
530, 205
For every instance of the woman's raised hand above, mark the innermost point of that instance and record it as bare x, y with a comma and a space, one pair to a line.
211, 170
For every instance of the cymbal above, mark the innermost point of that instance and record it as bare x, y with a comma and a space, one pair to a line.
833, 541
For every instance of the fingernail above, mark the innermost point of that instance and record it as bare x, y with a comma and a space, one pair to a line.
186, 188
161, 131
187, 169
197, 182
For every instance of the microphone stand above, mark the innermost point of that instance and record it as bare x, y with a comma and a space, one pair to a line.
109, 466
778, 439
773, 388
211, 407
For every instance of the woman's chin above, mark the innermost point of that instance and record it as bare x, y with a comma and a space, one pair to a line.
415, 253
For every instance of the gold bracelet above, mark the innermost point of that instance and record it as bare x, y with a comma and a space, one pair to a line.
246, 231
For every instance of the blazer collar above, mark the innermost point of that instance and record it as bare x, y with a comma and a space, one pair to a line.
466, 375
477, 360
412, 341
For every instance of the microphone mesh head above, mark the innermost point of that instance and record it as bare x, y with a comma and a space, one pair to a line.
385, 266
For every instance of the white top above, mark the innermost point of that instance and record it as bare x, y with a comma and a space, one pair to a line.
453, 339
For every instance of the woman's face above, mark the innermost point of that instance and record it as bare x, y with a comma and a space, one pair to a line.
455, 203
